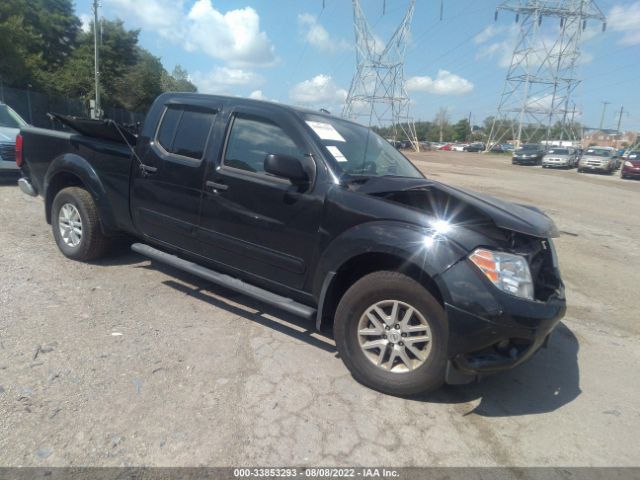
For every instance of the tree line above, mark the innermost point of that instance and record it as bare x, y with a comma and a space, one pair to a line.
43, 47
441, 129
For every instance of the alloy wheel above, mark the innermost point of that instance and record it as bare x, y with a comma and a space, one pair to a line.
394, 336
70, 225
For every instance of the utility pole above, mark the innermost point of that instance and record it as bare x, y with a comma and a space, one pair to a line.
620, 119
618, 133
97, 112
470, 128
604, 109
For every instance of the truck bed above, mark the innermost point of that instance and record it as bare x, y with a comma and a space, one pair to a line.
110, 163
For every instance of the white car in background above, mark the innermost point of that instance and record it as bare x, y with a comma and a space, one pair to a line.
459, 147
10, 123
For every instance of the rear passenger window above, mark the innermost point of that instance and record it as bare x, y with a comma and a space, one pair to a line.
252, 139
185, 132
168, 127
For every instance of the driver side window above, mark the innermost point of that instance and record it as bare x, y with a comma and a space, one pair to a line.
252, 138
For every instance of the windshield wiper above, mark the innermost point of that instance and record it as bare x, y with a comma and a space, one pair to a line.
359, 179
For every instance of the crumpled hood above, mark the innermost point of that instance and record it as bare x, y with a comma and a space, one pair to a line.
525, 219
8, 135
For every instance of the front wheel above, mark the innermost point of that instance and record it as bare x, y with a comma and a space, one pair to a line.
392, 334
76, 225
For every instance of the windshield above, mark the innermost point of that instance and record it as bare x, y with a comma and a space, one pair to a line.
599, 152
559, 151
358, 151
9, 118
526, 148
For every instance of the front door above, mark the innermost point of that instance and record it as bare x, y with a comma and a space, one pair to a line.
167, 190
252, 221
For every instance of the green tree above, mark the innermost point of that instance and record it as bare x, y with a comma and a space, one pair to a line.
141, 84
461, 130
177, 81
36, 38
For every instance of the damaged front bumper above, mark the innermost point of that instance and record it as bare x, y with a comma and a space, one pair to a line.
491, 331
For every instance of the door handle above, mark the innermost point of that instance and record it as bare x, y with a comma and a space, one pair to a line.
217, 187
148, 168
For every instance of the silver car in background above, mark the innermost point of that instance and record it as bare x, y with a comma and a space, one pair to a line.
10, 123
563, 157
598, 159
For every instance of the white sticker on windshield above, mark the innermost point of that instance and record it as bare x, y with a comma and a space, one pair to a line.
326, 131
633, 156
337, 154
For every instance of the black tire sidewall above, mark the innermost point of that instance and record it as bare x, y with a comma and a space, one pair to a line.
68, 195
391, 286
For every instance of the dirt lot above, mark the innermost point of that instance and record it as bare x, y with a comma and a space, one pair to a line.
124, 362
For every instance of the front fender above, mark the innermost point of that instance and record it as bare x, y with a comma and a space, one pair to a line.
78, 166
431, 252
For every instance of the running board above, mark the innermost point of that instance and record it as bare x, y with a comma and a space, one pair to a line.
232, 283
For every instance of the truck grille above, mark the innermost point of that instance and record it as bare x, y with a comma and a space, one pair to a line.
8, 152
594, 163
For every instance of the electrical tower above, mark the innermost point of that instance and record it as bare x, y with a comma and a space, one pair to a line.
378, 96
542, 78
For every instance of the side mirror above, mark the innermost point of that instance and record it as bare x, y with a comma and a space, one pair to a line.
286, 167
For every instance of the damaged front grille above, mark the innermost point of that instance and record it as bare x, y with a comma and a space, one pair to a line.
544, 272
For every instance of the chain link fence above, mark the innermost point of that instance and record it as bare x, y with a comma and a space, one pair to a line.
33, 108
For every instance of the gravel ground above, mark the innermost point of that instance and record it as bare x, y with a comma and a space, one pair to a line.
128, 362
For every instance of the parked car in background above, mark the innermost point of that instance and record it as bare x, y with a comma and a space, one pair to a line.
447, 147
631, 165
475, 147
459, 147
425, 146
598, 159
10, 123
564, 157
529, 154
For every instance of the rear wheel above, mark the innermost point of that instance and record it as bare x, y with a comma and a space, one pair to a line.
76, 225
392, 335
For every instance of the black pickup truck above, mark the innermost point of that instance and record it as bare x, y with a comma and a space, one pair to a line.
420, 282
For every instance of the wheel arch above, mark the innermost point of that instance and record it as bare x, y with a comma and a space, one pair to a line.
72, 170
337, 282
419, 252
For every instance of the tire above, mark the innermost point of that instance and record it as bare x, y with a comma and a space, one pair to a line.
91, 243
395, 378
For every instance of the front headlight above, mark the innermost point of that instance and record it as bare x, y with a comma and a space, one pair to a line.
628, 163
509, 272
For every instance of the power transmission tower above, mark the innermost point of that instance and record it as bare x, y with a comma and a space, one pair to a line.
542, 78
378, 96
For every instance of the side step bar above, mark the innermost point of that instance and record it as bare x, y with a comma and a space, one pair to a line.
283, 303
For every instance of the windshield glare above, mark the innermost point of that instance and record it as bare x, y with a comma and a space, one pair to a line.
9, 118
359, 151
599, 152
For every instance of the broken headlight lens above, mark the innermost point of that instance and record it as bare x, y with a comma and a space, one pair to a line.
509, 272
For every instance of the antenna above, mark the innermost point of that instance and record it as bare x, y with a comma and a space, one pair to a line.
378, 95
541, 79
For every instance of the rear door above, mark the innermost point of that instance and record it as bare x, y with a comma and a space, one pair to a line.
166, 194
